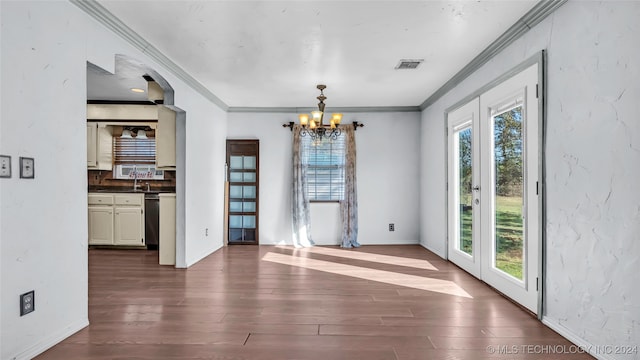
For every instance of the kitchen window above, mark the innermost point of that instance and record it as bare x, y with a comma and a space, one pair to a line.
135, 158
325, 168
134, 150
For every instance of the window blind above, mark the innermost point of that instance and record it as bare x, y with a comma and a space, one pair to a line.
325, 168
134, 151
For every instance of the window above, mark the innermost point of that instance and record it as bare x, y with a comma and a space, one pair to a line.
135, 158
325, 168
134, 150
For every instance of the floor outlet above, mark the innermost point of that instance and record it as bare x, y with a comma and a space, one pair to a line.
27, 303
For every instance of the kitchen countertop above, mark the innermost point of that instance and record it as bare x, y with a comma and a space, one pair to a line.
128, 189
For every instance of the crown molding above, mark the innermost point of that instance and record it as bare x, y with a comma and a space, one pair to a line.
538, 13
111, 22
297, 110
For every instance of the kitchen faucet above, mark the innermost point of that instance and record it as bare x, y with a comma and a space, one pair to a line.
135, 179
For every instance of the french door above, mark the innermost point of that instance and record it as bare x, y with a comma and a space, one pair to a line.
493, 176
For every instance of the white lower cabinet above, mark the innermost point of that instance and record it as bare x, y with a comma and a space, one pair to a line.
100, 225
129, 226
116, 219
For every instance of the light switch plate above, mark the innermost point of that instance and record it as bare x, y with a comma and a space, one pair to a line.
5, 166
26, 168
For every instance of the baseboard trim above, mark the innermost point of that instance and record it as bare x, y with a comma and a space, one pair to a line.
51, 340
574, 338
334, 243
437, 252
195, 261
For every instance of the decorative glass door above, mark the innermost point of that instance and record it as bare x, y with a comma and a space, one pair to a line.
242, 175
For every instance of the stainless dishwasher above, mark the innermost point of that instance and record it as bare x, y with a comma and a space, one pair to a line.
152, 220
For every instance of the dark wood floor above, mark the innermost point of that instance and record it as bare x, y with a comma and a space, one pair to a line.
265, 302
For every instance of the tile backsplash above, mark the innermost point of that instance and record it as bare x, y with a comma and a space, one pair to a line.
104, 179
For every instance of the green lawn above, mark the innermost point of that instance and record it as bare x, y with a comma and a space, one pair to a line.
508, 232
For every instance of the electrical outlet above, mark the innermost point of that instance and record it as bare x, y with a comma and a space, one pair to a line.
5, 166
27, 302
206, 232
392, 227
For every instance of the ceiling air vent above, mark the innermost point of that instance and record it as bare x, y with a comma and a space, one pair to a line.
408, 64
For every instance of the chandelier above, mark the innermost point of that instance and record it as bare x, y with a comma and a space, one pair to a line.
313, 125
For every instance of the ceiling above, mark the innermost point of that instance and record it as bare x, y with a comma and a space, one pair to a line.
273, 53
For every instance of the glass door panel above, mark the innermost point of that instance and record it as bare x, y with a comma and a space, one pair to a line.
235, 162
235, 192
249, 206
249, 192
249, 162
235, 206
508, 189
235, 176
465, 198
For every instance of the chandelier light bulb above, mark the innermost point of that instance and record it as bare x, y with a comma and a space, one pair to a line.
304, 119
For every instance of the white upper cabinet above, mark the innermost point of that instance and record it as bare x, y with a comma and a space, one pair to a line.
166, 139
92, 138
99, 146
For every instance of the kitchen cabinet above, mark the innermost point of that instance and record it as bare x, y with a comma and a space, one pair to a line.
100, 219
104, 156
121, 112
166, 139
116, 219
99, 146
167, 233
129, 219
129, 225
100, 225
92, 144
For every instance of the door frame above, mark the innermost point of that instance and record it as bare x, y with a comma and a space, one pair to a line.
539, 59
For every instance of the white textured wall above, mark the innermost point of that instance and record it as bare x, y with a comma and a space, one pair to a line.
44, 220
388, 184
204, 183
45, 47
592, 152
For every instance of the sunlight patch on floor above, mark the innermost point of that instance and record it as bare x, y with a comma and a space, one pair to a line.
387, 277
383, 259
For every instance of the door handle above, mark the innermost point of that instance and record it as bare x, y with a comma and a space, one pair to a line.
476, 188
